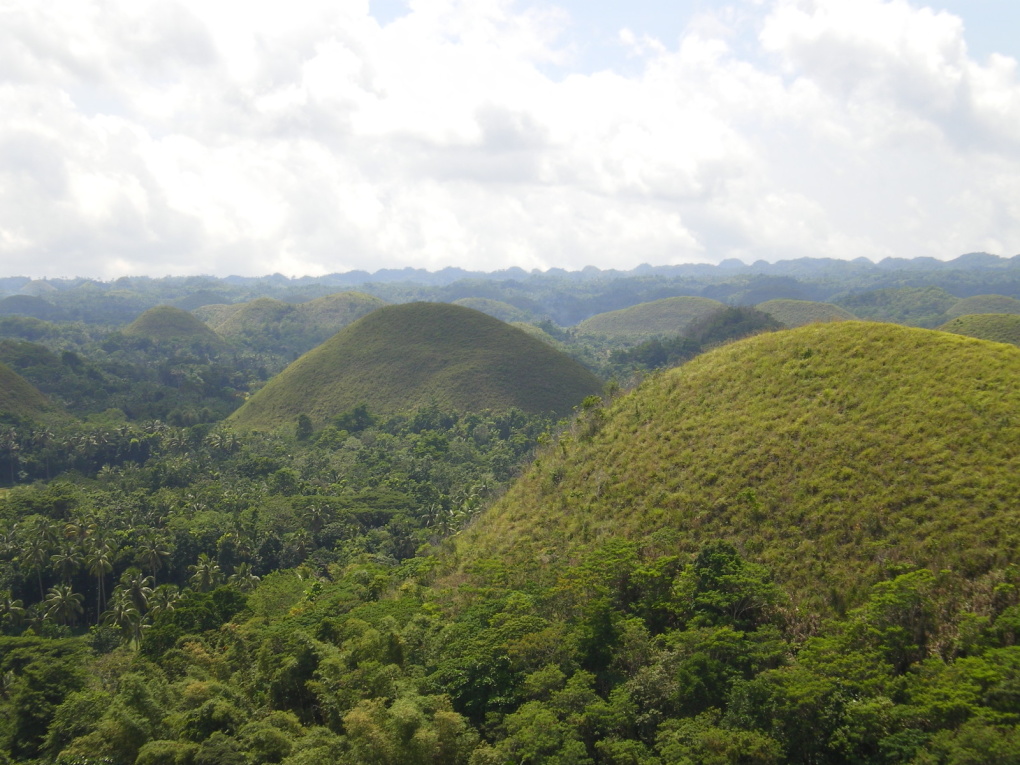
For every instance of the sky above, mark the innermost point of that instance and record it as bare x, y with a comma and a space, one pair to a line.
177, 137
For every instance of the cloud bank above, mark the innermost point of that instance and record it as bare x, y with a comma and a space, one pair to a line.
185, 136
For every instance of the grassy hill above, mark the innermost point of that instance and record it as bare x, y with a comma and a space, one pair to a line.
832, 453
403, 356
669, 316
20, 399
797, 313
984, 304
998, 327
166, 324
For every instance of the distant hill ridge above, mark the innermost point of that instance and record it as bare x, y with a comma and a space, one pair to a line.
403, 356
830, 453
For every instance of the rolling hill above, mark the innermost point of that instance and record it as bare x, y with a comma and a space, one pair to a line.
403, 356
833, 454
997, 327
166, 324
499, 309
797, 313
669, 316
984, 304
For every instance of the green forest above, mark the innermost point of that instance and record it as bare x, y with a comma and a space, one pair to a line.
684, 515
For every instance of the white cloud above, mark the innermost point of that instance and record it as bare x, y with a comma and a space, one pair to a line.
197, 137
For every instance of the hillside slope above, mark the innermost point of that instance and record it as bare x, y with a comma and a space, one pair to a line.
984, 304
829, 453
403, 356
669, 316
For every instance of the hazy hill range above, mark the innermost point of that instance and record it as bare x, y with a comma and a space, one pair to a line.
984, 304
20, 398
914, 306
400, 357
669, 316
166, 324
998, 327
828, 453
796, 313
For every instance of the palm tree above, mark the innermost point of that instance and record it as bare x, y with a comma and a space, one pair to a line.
100, 563
152, 552
62, 604
12, 610
123, 615
138, 588
163, 599
67, 561
35, 554
243, 579
205, 574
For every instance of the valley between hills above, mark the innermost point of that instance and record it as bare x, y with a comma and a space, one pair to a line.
686, 514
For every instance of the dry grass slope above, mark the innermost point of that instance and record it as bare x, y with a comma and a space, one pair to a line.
984, 304
830, 453
20, 398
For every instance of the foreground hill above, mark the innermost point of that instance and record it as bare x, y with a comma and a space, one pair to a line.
797, 313
997, 327
166, 324
830, 453
400, 357
669, 316
20, 399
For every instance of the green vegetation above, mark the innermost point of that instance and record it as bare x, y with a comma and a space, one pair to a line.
999, 328
797, 313
400, 357
983, 304
644, 321
166, 324
829, 453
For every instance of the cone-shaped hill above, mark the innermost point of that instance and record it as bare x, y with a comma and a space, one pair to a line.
403, 356
20, 399
797, 313
997, 327
669, 316
831, 453
166, 324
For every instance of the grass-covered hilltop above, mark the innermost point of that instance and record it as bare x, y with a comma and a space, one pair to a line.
166, 324
998, 327
401, 357
796, 313
830, 453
